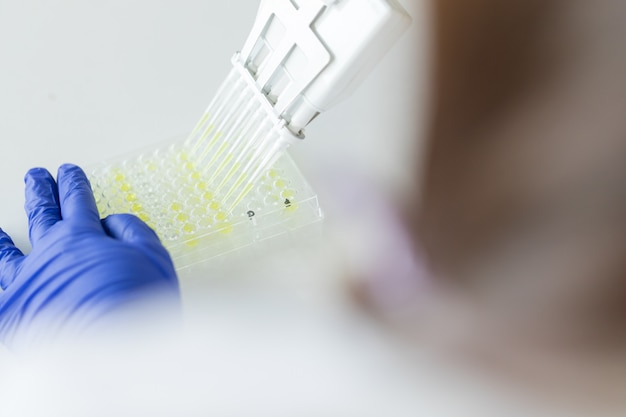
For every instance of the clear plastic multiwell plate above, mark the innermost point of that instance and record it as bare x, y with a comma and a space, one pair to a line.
166, 190
224, 188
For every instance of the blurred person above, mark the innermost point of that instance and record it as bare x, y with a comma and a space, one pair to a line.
520, 216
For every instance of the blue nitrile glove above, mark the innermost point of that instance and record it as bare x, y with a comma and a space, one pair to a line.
81, 269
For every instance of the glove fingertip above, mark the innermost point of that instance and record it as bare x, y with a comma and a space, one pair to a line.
129, 228
10, 259
37, 173
66, 168
76, 196
41, 202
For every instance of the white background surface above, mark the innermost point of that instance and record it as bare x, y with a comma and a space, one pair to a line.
82, 81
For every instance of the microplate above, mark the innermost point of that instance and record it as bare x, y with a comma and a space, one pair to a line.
165, 188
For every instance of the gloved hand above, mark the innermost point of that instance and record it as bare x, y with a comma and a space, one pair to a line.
81, 270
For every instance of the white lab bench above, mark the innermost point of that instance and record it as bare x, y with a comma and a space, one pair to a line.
85, 81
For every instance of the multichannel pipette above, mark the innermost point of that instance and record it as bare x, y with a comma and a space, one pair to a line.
301, 57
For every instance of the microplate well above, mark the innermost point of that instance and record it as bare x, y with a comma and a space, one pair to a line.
166, 189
